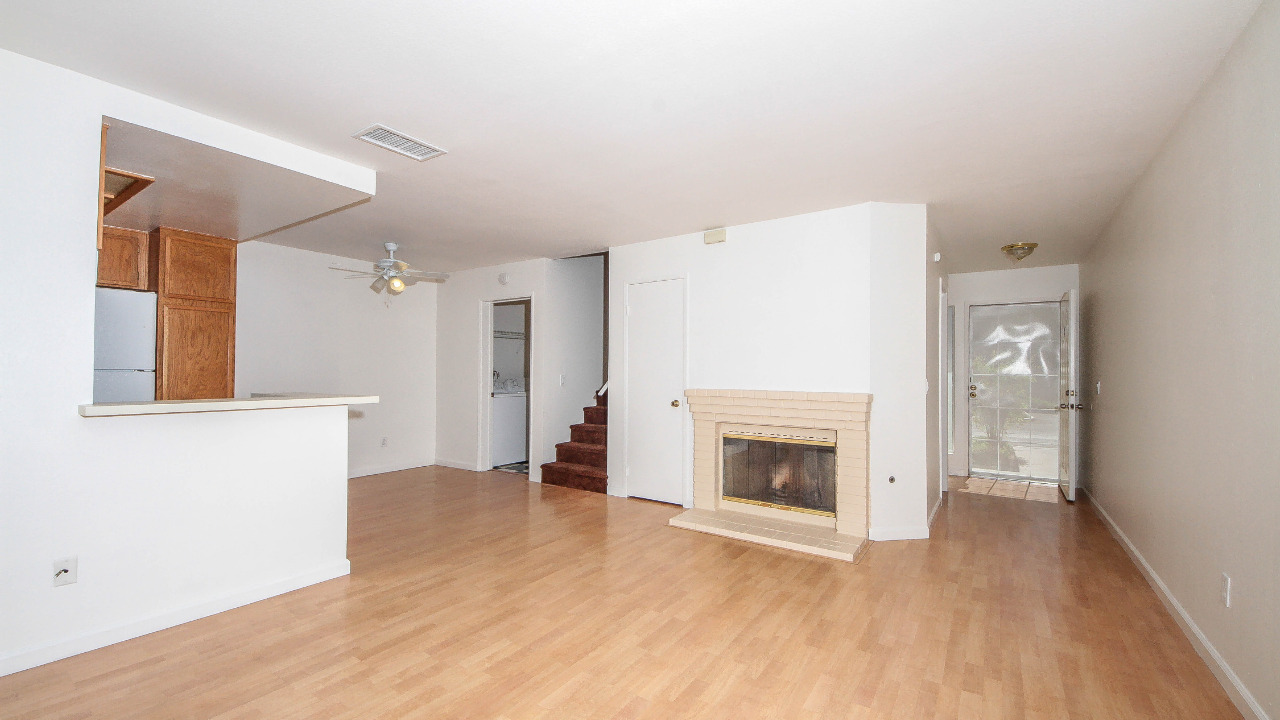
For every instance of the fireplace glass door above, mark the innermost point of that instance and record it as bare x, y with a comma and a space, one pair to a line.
780, 473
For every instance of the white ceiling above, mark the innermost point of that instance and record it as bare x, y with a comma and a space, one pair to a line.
575, 125
213, 191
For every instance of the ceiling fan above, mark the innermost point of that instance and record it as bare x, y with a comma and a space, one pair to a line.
393, 275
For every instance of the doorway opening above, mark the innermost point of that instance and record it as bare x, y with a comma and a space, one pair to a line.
1015, 374
509, 394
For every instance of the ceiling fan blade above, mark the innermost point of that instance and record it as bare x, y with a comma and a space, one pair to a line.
425, 275
412, 279
401, 266
361, 276
378, 285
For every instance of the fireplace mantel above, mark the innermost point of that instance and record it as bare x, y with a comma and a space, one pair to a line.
845, 414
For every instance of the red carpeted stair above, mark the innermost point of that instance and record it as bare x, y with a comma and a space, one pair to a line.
580, 463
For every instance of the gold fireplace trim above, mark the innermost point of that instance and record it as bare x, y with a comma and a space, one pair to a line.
770, 438
776, 506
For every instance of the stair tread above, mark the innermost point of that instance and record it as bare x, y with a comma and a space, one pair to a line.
583, 446
576, 468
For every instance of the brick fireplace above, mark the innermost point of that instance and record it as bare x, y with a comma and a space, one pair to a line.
804, 426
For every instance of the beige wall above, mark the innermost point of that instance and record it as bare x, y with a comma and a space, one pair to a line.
1182, 318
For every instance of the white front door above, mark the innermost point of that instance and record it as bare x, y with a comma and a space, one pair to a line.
1069, 398
655, 403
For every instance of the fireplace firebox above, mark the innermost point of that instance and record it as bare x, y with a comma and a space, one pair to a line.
781, 473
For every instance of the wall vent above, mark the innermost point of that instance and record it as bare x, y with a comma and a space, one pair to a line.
398, 142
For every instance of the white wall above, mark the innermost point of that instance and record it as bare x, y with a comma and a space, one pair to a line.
301, 327
171, 516
1182, 312
788, 305
576, 321
1016, 285
464, 342
935, 349
900, 347
566, 296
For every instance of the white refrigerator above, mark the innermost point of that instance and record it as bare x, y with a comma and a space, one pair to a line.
124, 346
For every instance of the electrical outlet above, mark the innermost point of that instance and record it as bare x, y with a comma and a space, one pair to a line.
66, 571
1226, 590
562, 379
384, 442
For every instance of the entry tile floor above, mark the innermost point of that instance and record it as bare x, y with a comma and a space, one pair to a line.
1040, 492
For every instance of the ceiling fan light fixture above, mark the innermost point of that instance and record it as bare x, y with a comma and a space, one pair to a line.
395, 285
1019, 251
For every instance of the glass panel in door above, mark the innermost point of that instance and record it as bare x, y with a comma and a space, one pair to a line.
1014, 366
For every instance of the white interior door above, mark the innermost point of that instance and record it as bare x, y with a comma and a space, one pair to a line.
1069, 398
655, 408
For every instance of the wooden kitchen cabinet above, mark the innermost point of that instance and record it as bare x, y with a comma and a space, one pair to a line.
196, 358
123, 259
195, 280
191, 266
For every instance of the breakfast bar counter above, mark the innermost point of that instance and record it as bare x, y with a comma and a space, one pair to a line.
255, 402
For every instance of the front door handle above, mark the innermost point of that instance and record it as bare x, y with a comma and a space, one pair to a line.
675, 403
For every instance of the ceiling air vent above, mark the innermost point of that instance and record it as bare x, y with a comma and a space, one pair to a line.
398, 142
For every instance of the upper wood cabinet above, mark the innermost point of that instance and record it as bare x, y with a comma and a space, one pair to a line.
195, 280
193, 266
123, 259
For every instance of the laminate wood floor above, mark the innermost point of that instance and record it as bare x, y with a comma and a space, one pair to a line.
480, 595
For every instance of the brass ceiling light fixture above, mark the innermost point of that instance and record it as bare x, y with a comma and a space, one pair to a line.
1019, 251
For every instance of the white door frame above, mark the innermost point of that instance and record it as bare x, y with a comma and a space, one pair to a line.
686, 455
484, 391
1071, 417
944, 457
962, 389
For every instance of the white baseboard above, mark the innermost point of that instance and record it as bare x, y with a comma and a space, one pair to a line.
900, 532
92, 641
936, 506
1236, 690
379, 469
457, 465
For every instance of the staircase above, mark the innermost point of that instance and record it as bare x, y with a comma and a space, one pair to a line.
580, 463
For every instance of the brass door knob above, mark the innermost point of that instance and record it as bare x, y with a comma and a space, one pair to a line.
1063, 406
675, 403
